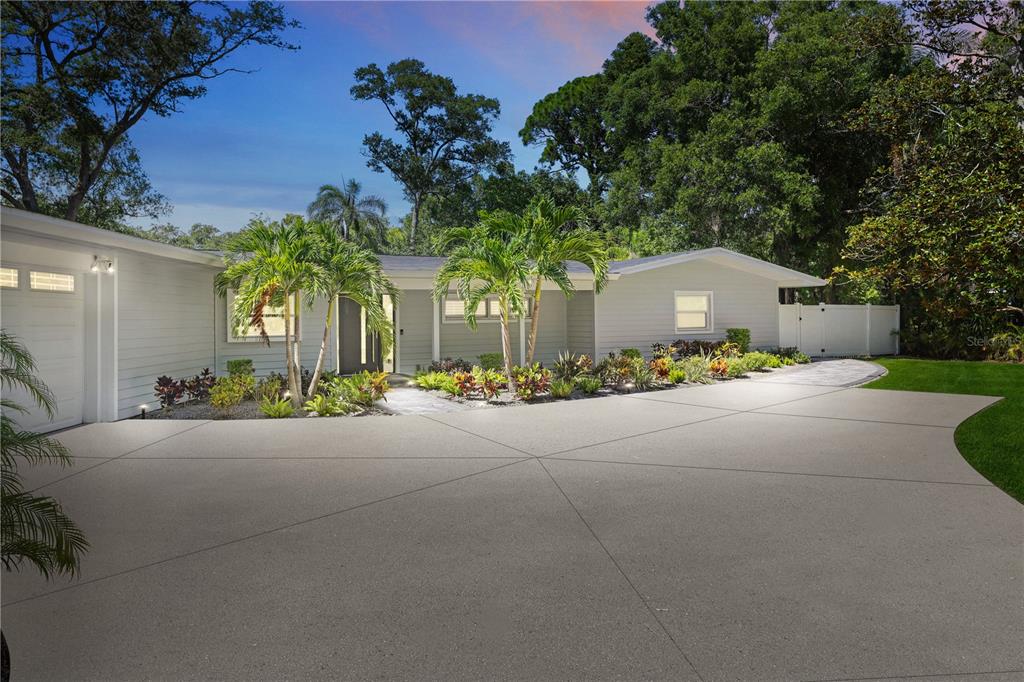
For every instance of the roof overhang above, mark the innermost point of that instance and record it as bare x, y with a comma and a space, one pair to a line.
783, 277
38, 225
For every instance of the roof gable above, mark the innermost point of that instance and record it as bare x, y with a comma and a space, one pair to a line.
785, 277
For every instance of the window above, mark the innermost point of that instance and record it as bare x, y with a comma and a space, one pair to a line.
273, 322
487, 310
694, 311
51, 281
9, 278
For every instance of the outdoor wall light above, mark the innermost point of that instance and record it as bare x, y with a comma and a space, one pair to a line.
143, 414
102, 265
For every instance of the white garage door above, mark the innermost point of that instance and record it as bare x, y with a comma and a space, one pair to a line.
44, 309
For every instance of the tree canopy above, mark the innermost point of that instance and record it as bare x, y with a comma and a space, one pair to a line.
77, 76
445, 136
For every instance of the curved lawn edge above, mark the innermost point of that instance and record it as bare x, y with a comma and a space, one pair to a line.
991, 440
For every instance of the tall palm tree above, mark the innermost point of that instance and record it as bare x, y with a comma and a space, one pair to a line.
554, 235
357, 218
273, 264
487, 260
352, 272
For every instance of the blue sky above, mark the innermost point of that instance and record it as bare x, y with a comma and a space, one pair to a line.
265, 141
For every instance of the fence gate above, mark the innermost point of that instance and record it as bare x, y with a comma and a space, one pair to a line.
840, 330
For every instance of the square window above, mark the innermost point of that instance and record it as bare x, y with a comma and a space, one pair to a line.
693, 311
9, 278
51, 281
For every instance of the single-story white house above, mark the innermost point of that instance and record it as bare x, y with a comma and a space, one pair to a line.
105, 313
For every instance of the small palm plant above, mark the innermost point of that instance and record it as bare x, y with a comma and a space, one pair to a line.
487, 260
33, 528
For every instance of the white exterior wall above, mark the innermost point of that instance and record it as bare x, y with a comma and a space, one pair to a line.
638, 310
579, 323
267, 359
459, 341
165, 325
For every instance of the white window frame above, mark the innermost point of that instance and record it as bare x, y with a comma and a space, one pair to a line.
488, 303
254, 336
710, 328
51, 271
21, 280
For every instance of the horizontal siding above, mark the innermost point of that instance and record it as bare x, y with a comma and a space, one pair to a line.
579, 323
165, 324
639, 310
551, 334
415, 308
271, 358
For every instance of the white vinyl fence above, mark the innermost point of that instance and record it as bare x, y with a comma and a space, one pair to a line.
840, 330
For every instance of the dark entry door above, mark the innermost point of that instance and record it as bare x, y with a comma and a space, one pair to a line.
359, 347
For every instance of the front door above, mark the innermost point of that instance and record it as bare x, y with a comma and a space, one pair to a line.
359, 348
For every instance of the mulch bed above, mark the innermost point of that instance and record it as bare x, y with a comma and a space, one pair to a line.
247, 409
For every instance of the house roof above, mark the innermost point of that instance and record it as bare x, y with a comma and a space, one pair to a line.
785, 277
398, 266
18, 220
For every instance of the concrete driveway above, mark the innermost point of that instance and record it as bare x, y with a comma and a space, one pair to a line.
752, 530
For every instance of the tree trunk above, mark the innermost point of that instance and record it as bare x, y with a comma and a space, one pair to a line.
297, 353
506, 342
323, 351
288, 349
415, 219
535, 315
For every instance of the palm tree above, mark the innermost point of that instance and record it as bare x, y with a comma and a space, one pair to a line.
487, 260
357, 218
33, 528
273, 264
552, 241
354, 273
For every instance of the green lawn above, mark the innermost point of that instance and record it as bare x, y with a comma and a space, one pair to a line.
992, 440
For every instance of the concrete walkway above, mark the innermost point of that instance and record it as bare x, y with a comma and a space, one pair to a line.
753, 530
846, 372
409, 400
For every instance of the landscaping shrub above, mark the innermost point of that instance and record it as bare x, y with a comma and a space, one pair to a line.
322, 405
756, 360
588, 384
661, 367
227, 391
801, 358
464, 383
728, 349
268, 388
684, 349
614, 370
240, 366
277, 408
362, 389
660, 350
774, 361
531, 381
1008, 346
677, 375
492, 361
739, 336
198, 387
642, 375
718, 368
449, 366
490, 381
434, 381
697, 368
561, 388
735, 367
168, 391
631, 353
568, 366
